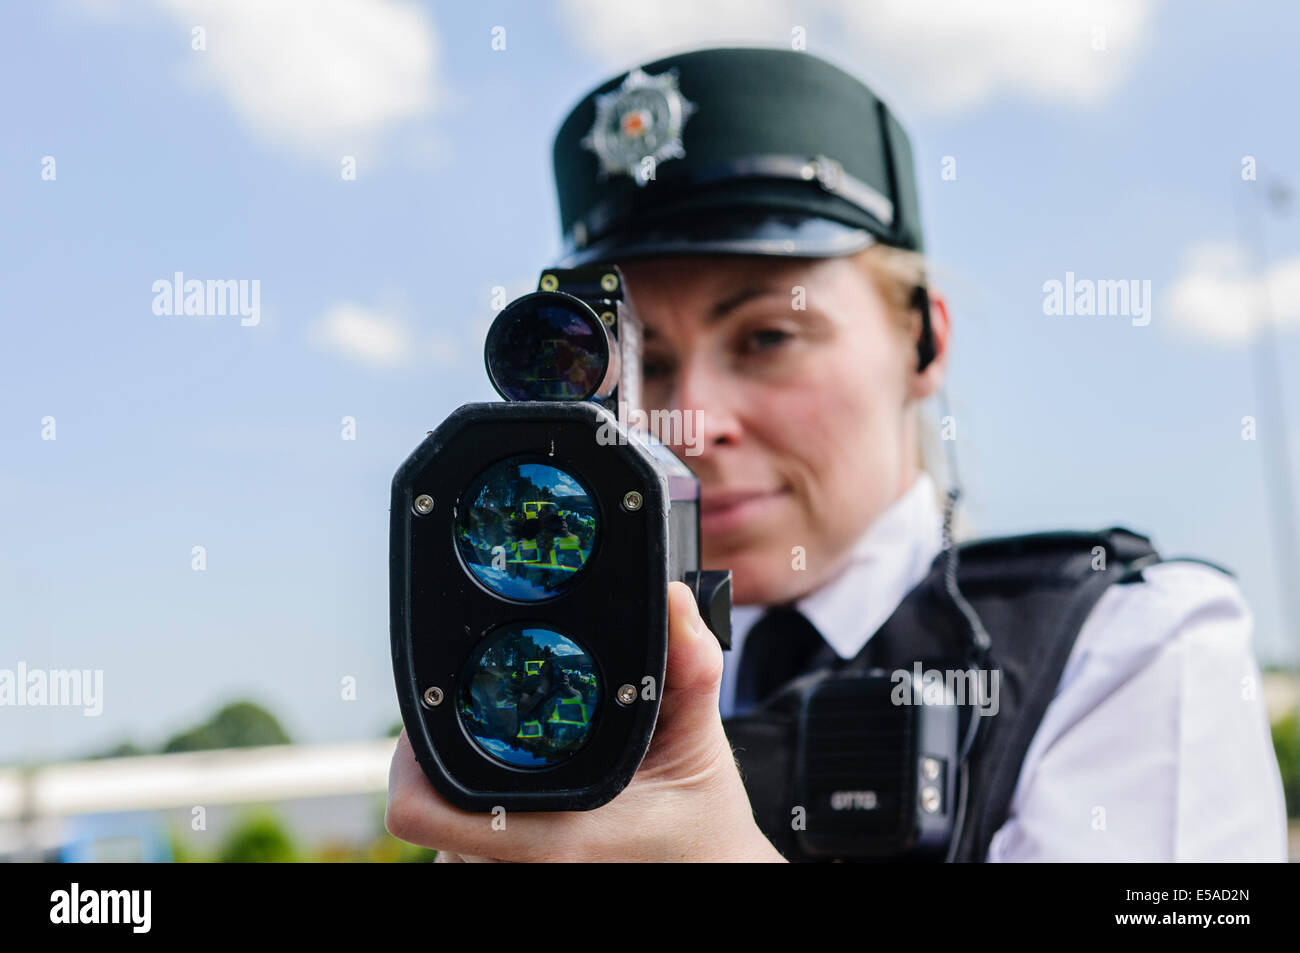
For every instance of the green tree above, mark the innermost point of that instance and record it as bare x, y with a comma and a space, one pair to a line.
237, 725
1286, 743
258, 839
123, 749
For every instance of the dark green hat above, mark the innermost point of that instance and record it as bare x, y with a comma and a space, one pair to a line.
733, 151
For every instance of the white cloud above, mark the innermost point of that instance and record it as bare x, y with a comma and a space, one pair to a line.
621, 34
323, 77
935, 56
1219, 297
380, 336
371, 337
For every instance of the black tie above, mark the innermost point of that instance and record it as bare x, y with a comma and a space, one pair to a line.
781, 646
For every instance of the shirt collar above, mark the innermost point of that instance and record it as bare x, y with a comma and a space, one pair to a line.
886, 563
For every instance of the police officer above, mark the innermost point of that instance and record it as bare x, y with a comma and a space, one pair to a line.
762, 205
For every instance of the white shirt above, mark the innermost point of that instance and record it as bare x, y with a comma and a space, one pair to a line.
1156, 746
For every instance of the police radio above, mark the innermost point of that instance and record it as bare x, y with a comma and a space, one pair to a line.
532, 543
878, 778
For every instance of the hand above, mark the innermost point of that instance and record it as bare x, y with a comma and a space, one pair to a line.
685, 803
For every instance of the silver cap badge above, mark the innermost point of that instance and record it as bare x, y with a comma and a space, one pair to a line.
639, 125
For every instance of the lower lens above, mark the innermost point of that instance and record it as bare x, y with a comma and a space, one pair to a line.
528, 696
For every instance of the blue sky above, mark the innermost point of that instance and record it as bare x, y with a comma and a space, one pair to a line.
175, 432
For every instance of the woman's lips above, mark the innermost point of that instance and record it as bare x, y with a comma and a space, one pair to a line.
725, 512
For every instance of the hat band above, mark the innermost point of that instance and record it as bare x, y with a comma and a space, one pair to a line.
826, 172
764, 233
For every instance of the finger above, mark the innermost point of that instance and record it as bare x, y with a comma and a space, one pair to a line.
415, 811
447, 857
689, 704
418, 814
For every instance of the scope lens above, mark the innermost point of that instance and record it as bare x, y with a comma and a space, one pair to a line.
529, 695
525, 529
545, 346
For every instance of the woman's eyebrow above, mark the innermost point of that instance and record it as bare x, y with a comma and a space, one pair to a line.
727, 305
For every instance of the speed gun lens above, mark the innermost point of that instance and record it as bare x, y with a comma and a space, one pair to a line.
550, 346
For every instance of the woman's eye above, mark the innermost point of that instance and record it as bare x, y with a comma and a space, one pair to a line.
767, 339
652, 369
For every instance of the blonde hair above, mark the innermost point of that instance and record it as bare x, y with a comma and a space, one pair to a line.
897, 273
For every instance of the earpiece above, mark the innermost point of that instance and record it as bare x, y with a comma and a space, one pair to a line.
925, 343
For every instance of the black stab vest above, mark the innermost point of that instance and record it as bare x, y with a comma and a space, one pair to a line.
1033, 594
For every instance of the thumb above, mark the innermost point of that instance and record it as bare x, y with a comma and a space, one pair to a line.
688, 712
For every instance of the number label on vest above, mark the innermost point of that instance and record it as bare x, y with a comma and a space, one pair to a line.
853, 801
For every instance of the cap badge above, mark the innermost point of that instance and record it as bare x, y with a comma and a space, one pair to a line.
639, 125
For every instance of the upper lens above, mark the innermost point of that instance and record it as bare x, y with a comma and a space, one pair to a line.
525, 529
547, 346
528, 696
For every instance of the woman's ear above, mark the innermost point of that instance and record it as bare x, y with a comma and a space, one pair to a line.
929, 379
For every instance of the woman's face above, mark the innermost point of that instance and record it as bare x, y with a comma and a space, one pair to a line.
801, 382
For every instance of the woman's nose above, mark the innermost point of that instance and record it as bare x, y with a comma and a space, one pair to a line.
707, 400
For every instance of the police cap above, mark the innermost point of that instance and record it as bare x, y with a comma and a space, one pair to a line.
733, 151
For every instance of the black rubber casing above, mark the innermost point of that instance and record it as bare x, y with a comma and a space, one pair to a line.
440, 613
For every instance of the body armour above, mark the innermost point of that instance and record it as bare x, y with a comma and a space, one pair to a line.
1032, 594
